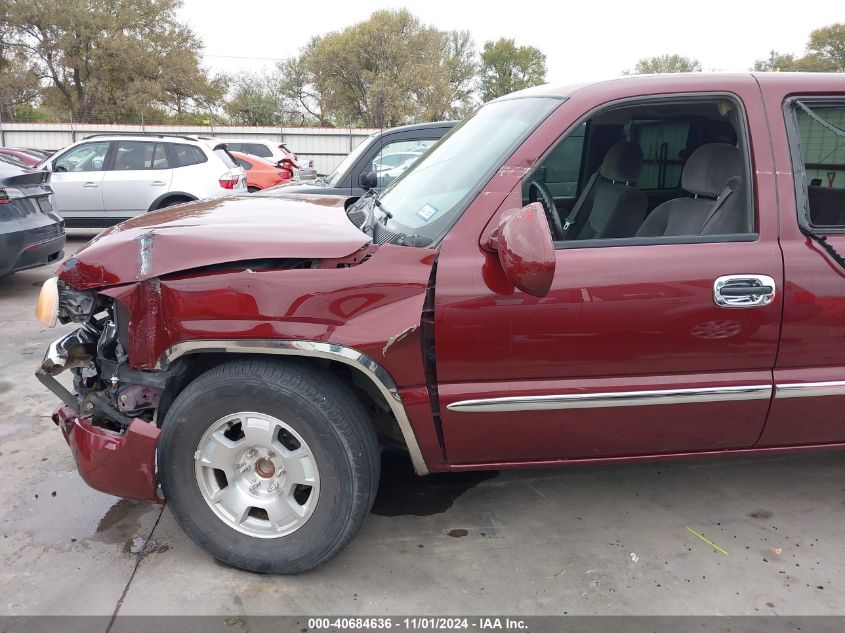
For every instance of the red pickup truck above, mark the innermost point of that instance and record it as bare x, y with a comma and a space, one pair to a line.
640, 268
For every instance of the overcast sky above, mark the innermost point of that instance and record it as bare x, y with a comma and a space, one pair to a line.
581, 40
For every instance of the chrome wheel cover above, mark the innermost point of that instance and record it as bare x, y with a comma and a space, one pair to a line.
257, 474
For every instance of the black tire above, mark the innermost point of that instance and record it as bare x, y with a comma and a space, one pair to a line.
316, 405
252, 189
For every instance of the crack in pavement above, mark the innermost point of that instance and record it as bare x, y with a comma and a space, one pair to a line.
141, 557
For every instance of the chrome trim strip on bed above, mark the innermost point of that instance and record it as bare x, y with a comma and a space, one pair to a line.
330, 351
613, 399
811, 389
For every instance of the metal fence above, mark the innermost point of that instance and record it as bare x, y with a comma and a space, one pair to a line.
325, 146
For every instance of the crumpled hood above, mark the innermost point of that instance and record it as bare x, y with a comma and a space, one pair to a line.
212, 232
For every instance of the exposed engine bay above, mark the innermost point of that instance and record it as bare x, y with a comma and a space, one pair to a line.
107, 388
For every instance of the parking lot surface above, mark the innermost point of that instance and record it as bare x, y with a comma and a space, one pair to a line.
620, 539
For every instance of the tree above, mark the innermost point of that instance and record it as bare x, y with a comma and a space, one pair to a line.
111, 59
256, 101
825, 52
387, 70
506, 67
666, 64
784, 62
301, 101
826, 48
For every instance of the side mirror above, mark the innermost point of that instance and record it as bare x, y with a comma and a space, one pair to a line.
526, 252
368, 180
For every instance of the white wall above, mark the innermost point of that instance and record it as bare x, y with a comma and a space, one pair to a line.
325, 146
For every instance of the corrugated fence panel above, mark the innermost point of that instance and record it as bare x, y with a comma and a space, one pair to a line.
325, 146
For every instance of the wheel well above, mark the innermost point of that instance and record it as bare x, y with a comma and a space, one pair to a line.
174, 199
189, 367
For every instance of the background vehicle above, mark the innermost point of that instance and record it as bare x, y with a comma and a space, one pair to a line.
346, 179
260, 173
31, 231
27, 158
683, 298
105, 179
271, 150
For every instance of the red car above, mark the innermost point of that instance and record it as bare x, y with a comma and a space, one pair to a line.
641, 268
28, 159
260, 173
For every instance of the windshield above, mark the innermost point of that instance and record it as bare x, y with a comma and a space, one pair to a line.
333, 180
428, 196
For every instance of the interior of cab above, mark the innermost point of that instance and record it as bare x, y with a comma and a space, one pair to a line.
648, 170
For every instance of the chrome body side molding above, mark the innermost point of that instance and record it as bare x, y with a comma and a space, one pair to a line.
363, 363
811, 389
614, 399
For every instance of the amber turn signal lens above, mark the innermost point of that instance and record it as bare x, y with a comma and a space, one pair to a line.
47, 309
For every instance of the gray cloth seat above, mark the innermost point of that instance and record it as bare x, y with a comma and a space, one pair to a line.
712, 172
618, 209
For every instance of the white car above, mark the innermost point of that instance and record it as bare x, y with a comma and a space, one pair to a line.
272, 151
105, 179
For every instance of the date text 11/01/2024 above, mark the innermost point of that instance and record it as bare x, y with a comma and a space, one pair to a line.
418, 623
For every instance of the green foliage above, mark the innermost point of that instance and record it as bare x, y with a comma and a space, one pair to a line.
825, 53
666, 64
387, 70
111, 60
506, 67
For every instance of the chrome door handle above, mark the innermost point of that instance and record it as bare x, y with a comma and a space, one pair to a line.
158, 183
91, 185
743, 291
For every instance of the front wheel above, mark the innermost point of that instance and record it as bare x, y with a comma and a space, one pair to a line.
270, 467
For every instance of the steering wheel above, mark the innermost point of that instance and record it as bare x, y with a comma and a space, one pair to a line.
538, 188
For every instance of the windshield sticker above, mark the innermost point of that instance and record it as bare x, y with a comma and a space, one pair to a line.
427, 211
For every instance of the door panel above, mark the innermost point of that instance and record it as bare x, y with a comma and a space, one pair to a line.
628, 318
139, 173
810, 371
77, 178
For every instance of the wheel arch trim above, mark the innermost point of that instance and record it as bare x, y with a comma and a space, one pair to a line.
313, 349
171, 194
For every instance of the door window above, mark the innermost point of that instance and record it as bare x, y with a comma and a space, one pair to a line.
139, 155
649, 172
257, 149
85, 157
185, 155
394, 158
821, 137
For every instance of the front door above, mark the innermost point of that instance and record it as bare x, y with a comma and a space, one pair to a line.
77, 179
653, 341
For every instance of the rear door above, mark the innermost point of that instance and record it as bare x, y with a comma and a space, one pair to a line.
139, 173
77, 180
807, 126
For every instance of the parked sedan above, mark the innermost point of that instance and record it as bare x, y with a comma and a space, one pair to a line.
359, 171
31, 232
261, 173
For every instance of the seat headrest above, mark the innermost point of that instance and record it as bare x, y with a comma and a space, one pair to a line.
622, 162
710, 167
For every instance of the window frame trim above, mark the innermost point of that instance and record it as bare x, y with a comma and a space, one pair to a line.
743, 137
796, 159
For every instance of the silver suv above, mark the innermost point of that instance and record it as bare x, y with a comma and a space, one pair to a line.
105, 179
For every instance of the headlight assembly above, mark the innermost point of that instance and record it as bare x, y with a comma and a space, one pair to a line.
47, 309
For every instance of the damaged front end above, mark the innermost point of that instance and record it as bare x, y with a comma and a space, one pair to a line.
109, 422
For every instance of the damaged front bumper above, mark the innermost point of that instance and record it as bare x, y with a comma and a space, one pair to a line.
114, 452
120, 464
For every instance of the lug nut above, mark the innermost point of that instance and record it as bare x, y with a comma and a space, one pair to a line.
270, 454
254, 484
273, 487
280, 472
251, 453
242, 468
